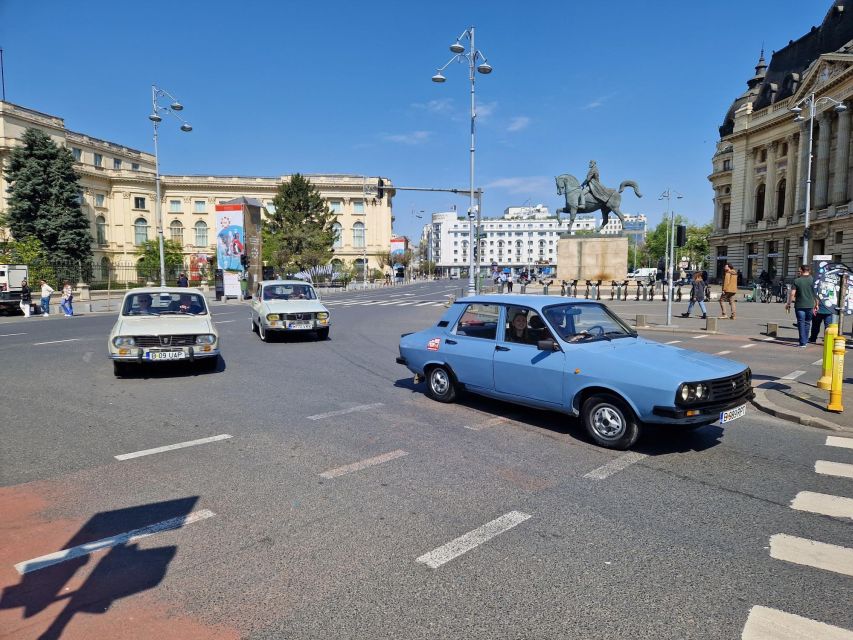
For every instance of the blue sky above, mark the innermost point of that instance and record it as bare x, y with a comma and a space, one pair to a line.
273, 88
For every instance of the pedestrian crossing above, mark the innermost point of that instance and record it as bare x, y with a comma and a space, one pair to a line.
764, 623
385, 302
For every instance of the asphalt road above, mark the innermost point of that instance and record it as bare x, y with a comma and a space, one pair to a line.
329, 509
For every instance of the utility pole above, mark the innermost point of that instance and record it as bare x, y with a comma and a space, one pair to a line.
670, 249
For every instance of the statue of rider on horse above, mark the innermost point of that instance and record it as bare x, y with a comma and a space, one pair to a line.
590, 195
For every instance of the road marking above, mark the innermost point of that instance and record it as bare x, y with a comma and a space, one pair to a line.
721, 353
829, 557
7, 335
765, 623
340, 412
223, 321
492, 422
35, 344
824, 504
836, 441
472, 539
105, 543
614, 466
839, 469
704, 335
357, 466
747, 346
817, 362
673, 342
768, 339
423, 304
793, 375
172, 447
404, 304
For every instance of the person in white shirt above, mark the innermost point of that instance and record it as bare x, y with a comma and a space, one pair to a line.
46, 291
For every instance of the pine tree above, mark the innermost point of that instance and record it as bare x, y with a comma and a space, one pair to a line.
299, 233
44, 198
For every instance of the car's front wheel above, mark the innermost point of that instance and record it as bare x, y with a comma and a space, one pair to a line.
610, 421
254, 326
440, 384
262, 334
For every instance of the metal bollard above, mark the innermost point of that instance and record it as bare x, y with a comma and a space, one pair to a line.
639, 284
773, 330
524, 288
711, 325
825, 380
837, 375
563, 288
545, 290
574, 289
588, 285
613, 289
597, 290
625, 291
651, 289
640, 321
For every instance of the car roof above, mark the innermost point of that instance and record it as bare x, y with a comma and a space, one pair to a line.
266, 282
159, 290
524, 300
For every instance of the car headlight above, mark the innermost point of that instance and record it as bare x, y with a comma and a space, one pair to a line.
205, 338
323, 315
272, 317
123, 341
693, 392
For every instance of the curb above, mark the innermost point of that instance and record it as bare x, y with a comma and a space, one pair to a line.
768, 406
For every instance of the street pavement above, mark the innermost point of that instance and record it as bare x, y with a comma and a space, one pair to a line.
319, 493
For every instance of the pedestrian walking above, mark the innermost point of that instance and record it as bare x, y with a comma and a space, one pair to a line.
182, 280
697, 295
67, 299
26, 298
46, 291
729, 291
803, 298
503, 281
509, 283
822, 318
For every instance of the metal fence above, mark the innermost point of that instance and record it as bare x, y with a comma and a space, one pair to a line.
105, 274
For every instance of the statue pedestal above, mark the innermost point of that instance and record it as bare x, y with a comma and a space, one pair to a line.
593, 258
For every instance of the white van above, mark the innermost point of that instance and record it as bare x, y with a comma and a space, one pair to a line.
643, 273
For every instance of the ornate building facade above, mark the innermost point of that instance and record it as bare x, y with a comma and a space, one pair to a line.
117, 195
760, 166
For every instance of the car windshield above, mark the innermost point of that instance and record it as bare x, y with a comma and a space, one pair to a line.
289, 292
586, 322
164, 303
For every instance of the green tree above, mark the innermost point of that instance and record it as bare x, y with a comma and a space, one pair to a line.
299, 233
44, 198
148, 266
30, 252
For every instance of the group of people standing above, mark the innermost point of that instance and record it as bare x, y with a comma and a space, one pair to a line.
698, 291
66, 303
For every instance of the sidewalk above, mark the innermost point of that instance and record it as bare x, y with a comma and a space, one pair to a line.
802, 402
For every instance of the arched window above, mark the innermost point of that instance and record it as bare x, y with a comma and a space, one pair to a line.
176, 231
780, 198
140, 231
338, 230
105, 268
201, 233
101, 229
358, 235
759, 203
337, 264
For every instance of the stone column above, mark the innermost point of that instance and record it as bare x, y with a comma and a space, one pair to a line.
821, 192
770, 183
802, 166
791, 174
749, 187
842, 158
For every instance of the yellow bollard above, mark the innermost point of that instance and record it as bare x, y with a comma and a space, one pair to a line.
825, 381
837, 376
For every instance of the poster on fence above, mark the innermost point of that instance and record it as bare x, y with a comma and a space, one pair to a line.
230, 237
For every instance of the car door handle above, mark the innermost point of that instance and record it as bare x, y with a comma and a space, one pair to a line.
501, 348
449, 341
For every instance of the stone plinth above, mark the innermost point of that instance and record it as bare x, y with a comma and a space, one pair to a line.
593, 258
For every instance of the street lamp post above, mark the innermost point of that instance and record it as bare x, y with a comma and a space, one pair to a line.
471, 57
670, 251
156, 119
812, 103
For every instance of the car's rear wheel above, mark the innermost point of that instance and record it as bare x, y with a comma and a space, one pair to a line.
610, 421
440, 384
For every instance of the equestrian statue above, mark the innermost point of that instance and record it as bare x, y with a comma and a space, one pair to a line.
590, 195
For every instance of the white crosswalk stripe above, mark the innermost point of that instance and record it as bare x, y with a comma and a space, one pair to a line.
835, 441
824, 504
812, 553
765, 623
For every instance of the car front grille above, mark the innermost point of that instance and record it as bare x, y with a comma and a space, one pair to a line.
180, 340
730, 388
296, 317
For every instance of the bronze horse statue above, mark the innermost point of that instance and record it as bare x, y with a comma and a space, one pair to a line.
580, 201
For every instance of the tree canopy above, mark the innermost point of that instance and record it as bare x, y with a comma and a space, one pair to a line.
44, 198
696, 249
149, 264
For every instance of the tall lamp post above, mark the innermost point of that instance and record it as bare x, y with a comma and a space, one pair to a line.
471, 56
812, 103
156, 109
670, 249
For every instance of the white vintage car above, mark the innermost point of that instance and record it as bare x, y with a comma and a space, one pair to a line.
290, 306
163, 324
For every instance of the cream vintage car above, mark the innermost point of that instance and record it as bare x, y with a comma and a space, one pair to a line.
288, 306
163, 324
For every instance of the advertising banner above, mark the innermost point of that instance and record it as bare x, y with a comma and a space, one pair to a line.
833, 284
230, 238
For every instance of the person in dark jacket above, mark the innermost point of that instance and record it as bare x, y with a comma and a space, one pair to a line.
183, 281
26, 298
697, 296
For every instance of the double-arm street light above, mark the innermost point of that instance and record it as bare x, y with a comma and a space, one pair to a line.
812, 103
156, 109
471, 56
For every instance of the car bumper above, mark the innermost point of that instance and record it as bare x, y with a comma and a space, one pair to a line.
706, 414
401, 360
137, 355
279, 326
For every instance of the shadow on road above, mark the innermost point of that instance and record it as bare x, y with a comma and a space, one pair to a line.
161, 370
124, 570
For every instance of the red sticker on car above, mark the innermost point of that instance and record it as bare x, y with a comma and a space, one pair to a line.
433, 344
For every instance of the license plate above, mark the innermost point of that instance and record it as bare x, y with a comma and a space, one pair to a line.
300, 325
165, 355
732, 414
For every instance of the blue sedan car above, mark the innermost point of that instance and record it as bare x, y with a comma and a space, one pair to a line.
577, 357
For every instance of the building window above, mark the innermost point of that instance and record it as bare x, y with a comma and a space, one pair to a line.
270, 207
759, 203
727, 164
176, 231
105, 268
99, 160
77, 153
134, 166
335, 206
780, 198
101, 230
727, 215
199, 206
784, 151
116, 164
763, 155
80, 197
338, 232
358, 206
839, 237
99, 199
138, 203
201, 233
174, 206
140, 231
358, 235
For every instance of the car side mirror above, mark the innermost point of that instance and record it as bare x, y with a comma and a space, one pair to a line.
547, 345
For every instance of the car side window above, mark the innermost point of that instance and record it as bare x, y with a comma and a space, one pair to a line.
478, 321
523, 325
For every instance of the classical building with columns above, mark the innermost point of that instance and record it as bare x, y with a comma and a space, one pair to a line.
760, 166
117, 194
